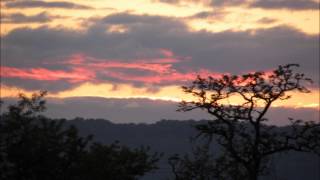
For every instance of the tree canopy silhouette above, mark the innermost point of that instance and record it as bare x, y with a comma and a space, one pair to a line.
33, 147
240, 130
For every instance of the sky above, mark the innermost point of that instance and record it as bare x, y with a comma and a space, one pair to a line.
138, 53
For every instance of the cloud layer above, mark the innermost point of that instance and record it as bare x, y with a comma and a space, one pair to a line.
286, 4
151, 50
148, 49
264, 4
44, 4
148, 111
17, 18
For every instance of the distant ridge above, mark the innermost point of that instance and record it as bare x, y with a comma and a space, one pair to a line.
172, 136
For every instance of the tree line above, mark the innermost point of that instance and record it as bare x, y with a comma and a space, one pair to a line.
34, 147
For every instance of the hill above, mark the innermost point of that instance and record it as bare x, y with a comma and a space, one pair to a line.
173, 136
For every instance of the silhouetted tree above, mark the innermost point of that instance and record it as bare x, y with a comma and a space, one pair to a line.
116, 162
246, 142
200, 165
33, 147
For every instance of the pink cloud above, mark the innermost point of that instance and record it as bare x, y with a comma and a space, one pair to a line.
156, 65
42, 74
153, 67
85, 68
167, 52
157, 70
161, 78
159, 60
76, 59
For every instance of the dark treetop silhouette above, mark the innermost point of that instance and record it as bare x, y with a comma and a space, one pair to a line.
33, 147
246, 142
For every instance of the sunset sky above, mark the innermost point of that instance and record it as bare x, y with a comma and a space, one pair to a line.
136, 50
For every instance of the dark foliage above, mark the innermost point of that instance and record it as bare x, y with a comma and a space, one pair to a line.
115, 162
33, 147
247, 143
199, 166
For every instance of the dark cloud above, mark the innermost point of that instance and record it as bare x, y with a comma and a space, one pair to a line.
148, 111
33, 85
169, 1
286, 4
265, 4
121, 110
53, 44
215, 3
178, 2
17, 18
217, 14
203, 15
267, 20
229, 51
43, 4
116, 110
124, 18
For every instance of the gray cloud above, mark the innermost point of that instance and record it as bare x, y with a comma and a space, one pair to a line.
229, 51
169, 1
267, 20
125, 18
148, 111
211, 2
17, 18
227, 2
116, 110
265, 4
217, 14
43, 4
286, 4
34, 85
